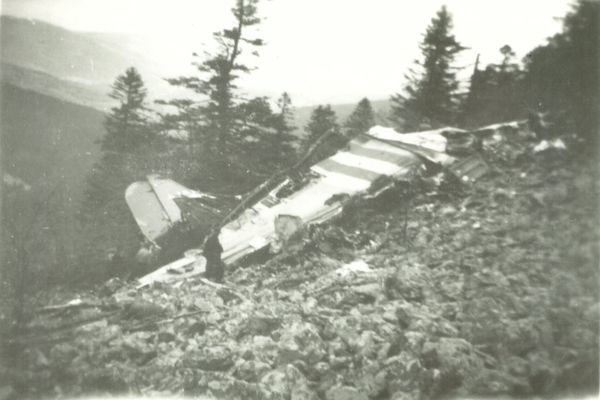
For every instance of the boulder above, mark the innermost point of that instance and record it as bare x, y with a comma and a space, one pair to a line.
373, 381
345, 393
196, 328
367, 344
299, 388
216, 358
301, 341
404, 373
454, 358
276, 381
450, 354
408, 282
263, 348
415, 341
290, 383
250, 370
219, 385
258, 324
339, 363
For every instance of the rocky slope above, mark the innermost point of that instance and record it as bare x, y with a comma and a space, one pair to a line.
434, 289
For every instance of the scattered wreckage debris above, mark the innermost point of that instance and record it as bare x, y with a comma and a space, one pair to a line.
161, 206
469, 169
545, 145
495, 296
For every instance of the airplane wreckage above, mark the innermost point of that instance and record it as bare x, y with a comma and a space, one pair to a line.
172, 216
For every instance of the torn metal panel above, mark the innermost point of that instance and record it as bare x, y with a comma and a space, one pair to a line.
166, 191
430, 145
502, 126
349, 172
463, 143
469, 169
147, 210
432, 140
545, 145
190, 265
154, 206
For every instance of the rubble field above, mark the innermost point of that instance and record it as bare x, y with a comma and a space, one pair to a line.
436, 289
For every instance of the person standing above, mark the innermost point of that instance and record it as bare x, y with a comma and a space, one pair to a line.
212, 250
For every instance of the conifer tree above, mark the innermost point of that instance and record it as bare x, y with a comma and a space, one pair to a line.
285, 116
283, 141
473, 101
126, 124
323, 120
216, 123
495, 93
127, 127
217, 76
106, 222
563, 76
431, 92
268, 142
361, 119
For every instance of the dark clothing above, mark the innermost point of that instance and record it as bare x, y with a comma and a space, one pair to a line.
215, 268
538, 124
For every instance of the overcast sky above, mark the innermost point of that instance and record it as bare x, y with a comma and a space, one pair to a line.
318, 50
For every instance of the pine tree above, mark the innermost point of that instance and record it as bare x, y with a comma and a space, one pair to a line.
268, 142
472, 103
495, 93
105, 220
285, 116
216, 123
126, 125
508, 78
218, 73
563, 75
361, 119
431, 97
323, 120
283, 141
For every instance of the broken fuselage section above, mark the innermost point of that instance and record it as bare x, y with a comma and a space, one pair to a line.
162, 206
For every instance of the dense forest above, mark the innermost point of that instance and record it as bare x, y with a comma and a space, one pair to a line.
221, 142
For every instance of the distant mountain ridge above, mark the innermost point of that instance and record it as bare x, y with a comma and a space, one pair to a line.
342, 111
94, 96
80, 67
60, 52
74, 66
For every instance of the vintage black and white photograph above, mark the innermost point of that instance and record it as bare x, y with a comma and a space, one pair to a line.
299, 199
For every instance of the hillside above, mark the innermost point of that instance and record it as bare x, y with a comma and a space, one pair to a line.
73, 66
436, 289
59, 52
90, 95
47, 140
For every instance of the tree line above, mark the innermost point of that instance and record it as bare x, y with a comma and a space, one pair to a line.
558, 78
